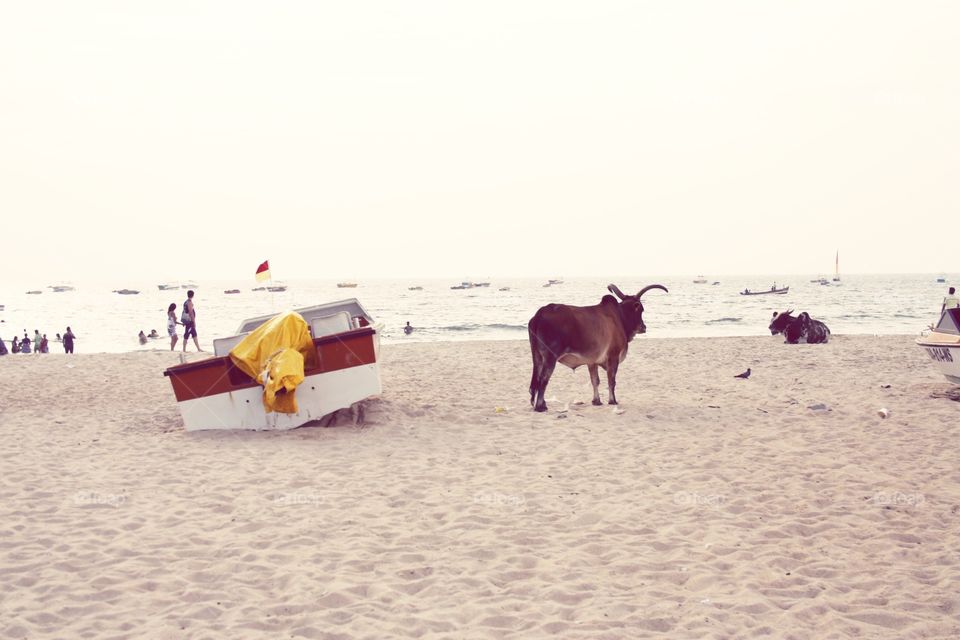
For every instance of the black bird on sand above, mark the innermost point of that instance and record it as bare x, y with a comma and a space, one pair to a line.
744, 375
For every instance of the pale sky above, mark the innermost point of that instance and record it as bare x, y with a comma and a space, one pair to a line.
342, 139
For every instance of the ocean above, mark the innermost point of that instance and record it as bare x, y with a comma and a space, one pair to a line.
108, 322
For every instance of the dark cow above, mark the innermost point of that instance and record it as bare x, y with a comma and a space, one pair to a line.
802, 328
595, 336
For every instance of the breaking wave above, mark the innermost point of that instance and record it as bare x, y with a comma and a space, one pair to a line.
723, 321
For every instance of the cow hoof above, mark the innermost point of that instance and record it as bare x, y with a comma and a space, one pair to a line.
597, 403
541, 408
612, 402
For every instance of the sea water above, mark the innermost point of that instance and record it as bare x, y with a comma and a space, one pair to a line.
108, 322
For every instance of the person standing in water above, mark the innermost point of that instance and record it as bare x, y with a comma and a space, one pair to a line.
68, 339
408, 329
172, 324
37, 339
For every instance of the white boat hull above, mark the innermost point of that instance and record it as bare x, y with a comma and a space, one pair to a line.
946, 357
317, 396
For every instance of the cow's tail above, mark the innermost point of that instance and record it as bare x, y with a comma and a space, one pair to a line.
535, 353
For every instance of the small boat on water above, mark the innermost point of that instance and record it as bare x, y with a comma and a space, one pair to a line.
414, 288
942, 344
231, 291
60, 288
34, 293
339, 370
482, 284
189, 285
464, 285
126, 292
700, 280
504, 289
941, 279
346, 285
772, 290
277, 288
167, 287
259, 289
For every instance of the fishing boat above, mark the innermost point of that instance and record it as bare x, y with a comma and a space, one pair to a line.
941, 279
189, 285
276, 288
557, 281
504, 289
482, 284
60, 288
942, 344
700, 280
772, 290
464, 285
414, 288
836, 269
167, 287
231, 291
126, 292
346, 285
34, 293
216, 394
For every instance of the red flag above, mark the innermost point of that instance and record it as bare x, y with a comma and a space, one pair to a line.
263, 271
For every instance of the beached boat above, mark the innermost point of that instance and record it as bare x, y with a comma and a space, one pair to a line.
126, 292
215, 394
772, 290
346, 285
942, 344
231, 291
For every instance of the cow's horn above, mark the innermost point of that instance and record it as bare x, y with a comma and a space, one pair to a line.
612, 288
774, 314
651, 286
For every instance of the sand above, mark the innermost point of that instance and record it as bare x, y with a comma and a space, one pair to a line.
710, 507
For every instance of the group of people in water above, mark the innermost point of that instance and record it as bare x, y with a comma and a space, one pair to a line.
39, 343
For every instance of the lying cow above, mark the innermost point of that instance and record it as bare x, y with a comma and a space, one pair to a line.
595, 336
802, 328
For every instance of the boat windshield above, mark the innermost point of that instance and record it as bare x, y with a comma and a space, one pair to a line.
949, 322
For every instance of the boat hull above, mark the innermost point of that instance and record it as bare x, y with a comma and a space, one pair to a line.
946, 355
214, 394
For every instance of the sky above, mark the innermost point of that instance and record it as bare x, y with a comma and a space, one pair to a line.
190, 140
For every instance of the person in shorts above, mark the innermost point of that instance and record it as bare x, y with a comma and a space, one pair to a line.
189, 319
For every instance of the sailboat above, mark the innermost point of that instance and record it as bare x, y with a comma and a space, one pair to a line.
836, 272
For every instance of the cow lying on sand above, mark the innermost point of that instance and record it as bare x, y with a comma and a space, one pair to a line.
595, 336
802, 328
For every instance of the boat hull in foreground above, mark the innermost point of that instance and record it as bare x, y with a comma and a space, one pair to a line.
942, 345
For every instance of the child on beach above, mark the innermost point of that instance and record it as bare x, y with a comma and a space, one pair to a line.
172, 324
3, 347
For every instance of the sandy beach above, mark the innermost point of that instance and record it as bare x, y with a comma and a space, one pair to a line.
706, 507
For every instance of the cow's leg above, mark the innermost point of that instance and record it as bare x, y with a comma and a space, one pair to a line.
595, 381
535, 376
547, 364
612, 364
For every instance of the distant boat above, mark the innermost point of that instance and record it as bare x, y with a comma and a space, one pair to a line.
836, 269
715, 283
555, 281
34, 293
700, 280
126, 292
464, 285
277, 288
232, 291
189, 285
773, 289
167, 287
504, 289
60, 288
414, 288
347, 285
941, 279
259, 289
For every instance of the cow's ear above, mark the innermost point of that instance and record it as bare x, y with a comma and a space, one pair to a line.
774, 314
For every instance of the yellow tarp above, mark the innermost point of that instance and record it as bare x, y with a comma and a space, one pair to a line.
274, 354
